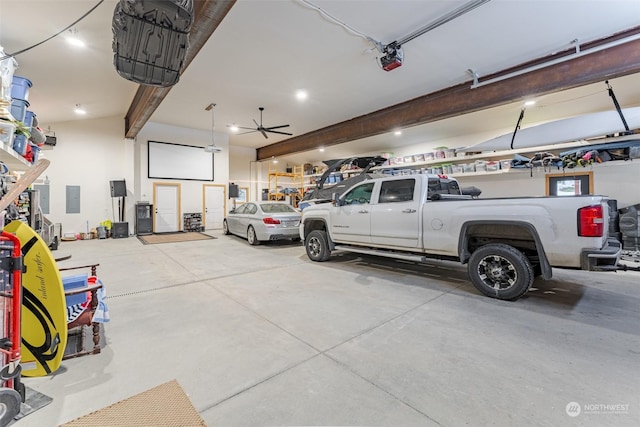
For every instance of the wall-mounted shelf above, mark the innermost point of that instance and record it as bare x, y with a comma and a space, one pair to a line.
13, 160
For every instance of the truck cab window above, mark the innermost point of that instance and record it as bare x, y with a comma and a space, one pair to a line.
397, 191
359, 195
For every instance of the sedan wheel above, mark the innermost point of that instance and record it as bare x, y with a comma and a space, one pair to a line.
251, 237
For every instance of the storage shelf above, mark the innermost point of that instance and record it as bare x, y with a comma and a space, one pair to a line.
13, 160
294, 179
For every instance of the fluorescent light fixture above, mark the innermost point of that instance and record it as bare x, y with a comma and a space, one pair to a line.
529, 103
321, 150
79, 110
275, 161
301, 95
397, 133
233, 128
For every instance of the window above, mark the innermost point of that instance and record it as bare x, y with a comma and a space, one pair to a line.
360, 195
576, 184
442, 186
277, 208
240, 209
397, 191
251, 208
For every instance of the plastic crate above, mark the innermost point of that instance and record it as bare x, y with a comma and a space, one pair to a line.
19, 109
28, 118
20, 144
7, 129
20, 88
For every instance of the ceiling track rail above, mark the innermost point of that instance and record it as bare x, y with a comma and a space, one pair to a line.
578, 53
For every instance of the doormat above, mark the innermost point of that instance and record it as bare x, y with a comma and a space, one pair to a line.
166, 405
189, 236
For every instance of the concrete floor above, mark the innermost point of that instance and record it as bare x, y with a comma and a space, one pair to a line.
263, 336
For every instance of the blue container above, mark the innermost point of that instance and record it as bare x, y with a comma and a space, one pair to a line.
19, 109
20, 88
20, 144
28, 118
36, 152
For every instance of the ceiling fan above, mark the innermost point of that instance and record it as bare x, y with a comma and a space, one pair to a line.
263, 129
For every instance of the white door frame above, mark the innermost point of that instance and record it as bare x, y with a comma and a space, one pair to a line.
178, 202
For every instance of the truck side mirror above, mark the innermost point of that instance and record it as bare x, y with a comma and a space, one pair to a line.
335, 199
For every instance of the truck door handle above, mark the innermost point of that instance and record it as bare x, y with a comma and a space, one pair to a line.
408, 211
363, 211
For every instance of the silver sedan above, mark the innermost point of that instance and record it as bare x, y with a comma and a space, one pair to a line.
263, 221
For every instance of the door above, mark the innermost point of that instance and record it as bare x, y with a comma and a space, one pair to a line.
351, 222
395, 219
166, 200
214, 200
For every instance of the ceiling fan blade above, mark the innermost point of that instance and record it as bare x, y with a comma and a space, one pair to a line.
264, 133
277, 127
281, 133
257, 125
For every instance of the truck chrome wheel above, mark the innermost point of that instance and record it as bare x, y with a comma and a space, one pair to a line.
497, 272
500, 271
317, 246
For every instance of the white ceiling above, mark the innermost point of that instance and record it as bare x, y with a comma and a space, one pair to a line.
263, 51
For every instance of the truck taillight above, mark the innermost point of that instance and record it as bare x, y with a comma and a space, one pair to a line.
271, 221
591, 221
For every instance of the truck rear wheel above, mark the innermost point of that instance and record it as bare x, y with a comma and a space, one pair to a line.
500, 271
317, 246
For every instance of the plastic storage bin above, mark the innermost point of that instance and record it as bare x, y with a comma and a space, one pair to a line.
7, 129
20, 144
20, 88
28, 118
19, 109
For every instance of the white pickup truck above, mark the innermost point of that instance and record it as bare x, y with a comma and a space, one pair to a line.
505, 241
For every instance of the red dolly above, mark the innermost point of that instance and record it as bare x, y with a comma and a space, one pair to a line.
12, 391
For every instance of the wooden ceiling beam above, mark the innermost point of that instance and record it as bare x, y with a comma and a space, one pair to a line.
609, 63
208, 14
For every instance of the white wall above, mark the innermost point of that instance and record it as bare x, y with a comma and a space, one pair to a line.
89, 153
241, 168
190, 191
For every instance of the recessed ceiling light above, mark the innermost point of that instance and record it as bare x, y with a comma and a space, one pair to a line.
529, 103
233, 128
301, 95
73, 40
79, 110
321, 150
397, 133
275, 161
